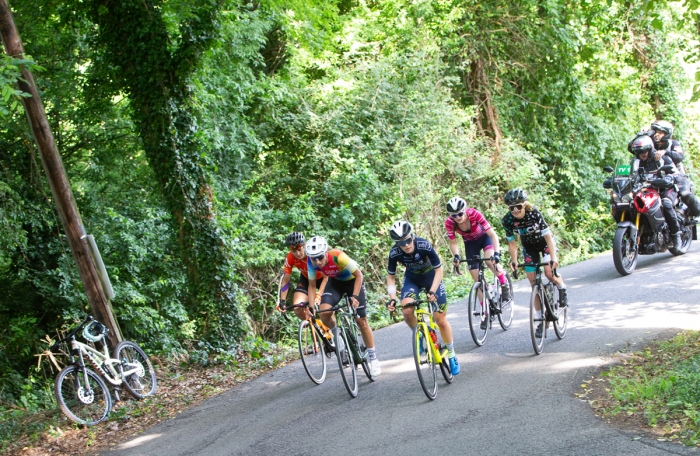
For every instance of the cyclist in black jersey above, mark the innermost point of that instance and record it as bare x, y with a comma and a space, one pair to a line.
423, 271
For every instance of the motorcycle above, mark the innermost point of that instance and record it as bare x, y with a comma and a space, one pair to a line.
635, 203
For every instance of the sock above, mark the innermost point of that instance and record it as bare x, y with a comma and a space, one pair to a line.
451, 350
562, 286
502, 279
371, 354
538, 314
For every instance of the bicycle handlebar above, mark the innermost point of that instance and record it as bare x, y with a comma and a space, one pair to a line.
72, 332
534, 265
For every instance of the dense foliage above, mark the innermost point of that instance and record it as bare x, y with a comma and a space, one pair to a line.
197, 134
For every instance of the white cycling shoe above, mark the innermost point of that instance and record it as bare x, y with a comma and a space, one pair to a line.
374, 368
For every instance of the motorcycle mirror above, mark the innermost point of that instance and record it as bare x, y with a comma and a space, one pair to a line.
666, 168
635, 167
608, 169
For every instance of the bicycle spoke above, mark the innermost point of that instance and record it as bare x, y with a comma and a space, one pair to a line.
425, 363
84, 401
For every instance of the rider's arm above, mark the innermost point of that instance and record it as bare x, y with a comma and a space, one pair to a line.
552, 246
321, 288
454, 247
359, 277
513, 250
436, 280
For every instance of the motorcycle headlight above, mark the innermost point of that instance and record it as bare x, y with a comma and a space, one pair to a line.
627, 198
615, 197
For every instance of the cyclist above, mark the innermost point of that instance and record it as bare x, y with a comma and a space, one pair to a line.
478, 235
423, 271
296, 258
344, 277
536, 238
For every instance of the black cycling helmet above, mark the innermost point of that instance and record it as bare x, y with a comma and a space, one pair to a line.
665, 127
515, 196
641, 145
401, 230
455, 205
295, 239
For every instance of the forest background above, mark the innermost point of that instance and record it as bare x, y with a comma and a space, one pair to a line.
197, 133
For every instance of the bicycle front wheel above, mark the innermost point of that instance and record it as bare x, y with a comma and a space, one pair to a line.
562, 319
142, 381
478, 314
82, 395
312, 352
425, 363
505, 315
537, 324
362, 351
346, 362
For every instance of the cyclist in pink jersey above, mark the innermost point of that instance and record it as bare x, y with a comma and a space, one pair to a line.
478, 235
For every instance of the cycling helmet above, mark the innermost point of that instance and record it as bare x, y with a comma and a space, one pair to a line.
665, 127
295, 239
455, 205
515, 196
316, 246
94, 331
401, 230
641, 145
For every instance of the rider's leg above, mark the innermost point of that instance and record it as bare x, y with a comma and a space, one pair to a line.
301, 312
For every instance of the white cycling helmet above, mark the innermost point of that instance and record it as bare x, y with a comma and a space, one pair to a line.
456, 205
316, 246
401, 230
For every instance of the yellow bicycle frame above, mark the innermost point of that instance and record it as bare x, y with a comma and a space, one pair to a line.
426, 321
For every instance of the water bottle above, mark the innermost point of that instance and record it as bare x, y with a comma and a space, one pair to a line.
433, 336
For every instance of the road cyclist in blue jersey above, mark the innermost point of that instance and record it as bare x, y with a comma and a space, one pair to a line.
423, 271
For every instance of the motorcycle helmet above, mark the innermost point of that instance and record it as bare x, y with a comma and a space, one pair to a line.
515, 196
316, 246
295, 239
456, 205
641, 145
401, 230
665, 127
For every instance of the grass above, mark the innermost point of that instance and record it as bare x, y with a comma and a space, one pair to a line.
661, 387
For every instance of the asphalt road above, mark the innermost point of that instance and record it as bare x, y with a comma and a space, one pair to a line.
506, 401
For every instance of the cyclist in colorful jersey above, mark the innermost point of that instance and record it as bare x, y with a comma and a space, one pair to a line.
478, 235
296, 258
423, 271
527, 222
344, 277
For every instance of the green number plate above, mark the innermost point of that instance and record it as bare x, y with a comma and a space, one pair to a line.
623, 170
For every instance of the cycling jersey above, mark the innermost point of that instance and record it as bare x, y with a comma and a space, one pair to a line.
423, 259
339, 266
290, 262
532, 228
479, 226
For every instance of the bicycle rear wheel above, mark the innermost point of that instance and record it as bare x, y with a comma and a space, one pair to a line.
425, 363
477, 314
445, 367
312, 352
84, 402
562, 314
537, 342
505, 316
141, 383
347, 369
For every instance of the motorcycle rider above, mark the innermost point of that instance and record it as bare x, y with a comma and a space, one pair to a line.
643, 148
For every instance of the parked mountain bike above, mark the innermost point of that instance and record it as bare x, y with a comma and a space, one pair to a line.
315, 345
485, 303
428, 353
81, 393
350, 349
551, 312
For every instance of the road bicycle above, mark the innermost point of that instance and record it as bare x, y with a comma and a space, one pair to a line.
82, 394
315, 345
481, 315
428, 353
551, 312
350, 349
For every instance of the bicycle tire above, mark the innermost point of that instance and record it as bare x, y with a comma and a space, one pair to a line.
312, 352
425, 362
505, 315
69, 387
141, 383
561, 324
445, 368
537, 343
362, 350
347, 372
477, 313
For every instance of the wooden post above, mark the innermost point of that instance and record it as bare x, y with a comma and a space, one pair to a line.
58, 180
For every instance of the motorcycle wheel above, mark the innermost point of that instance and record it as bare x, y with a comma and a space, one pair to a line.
687, 238
624, 251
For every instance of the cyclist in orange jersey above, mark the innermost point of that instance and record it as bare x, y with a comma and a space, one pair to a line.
296, 258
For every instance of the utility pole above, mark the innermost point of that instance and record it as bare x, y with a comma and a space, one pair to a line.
58, 180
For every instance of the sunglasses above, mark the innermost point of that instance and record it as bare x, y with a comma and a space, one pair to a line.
405, 242
457, 215
296, 247
516, 207
317, 259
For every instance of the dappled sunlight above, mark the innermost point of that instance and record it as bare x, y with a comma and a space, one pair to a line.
398, 366
138, 441
637, 314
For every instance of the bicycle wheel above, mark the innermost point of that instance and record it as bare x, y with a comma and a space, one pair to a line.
505, 316
562, 314
425, 363
362, 351
85, 402
445, 368
312, 352
477, 314
141, 383
343, 353
537, 342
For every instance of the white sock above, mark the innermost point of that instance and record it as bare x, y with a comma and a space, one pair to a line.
371, 354
538, 314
